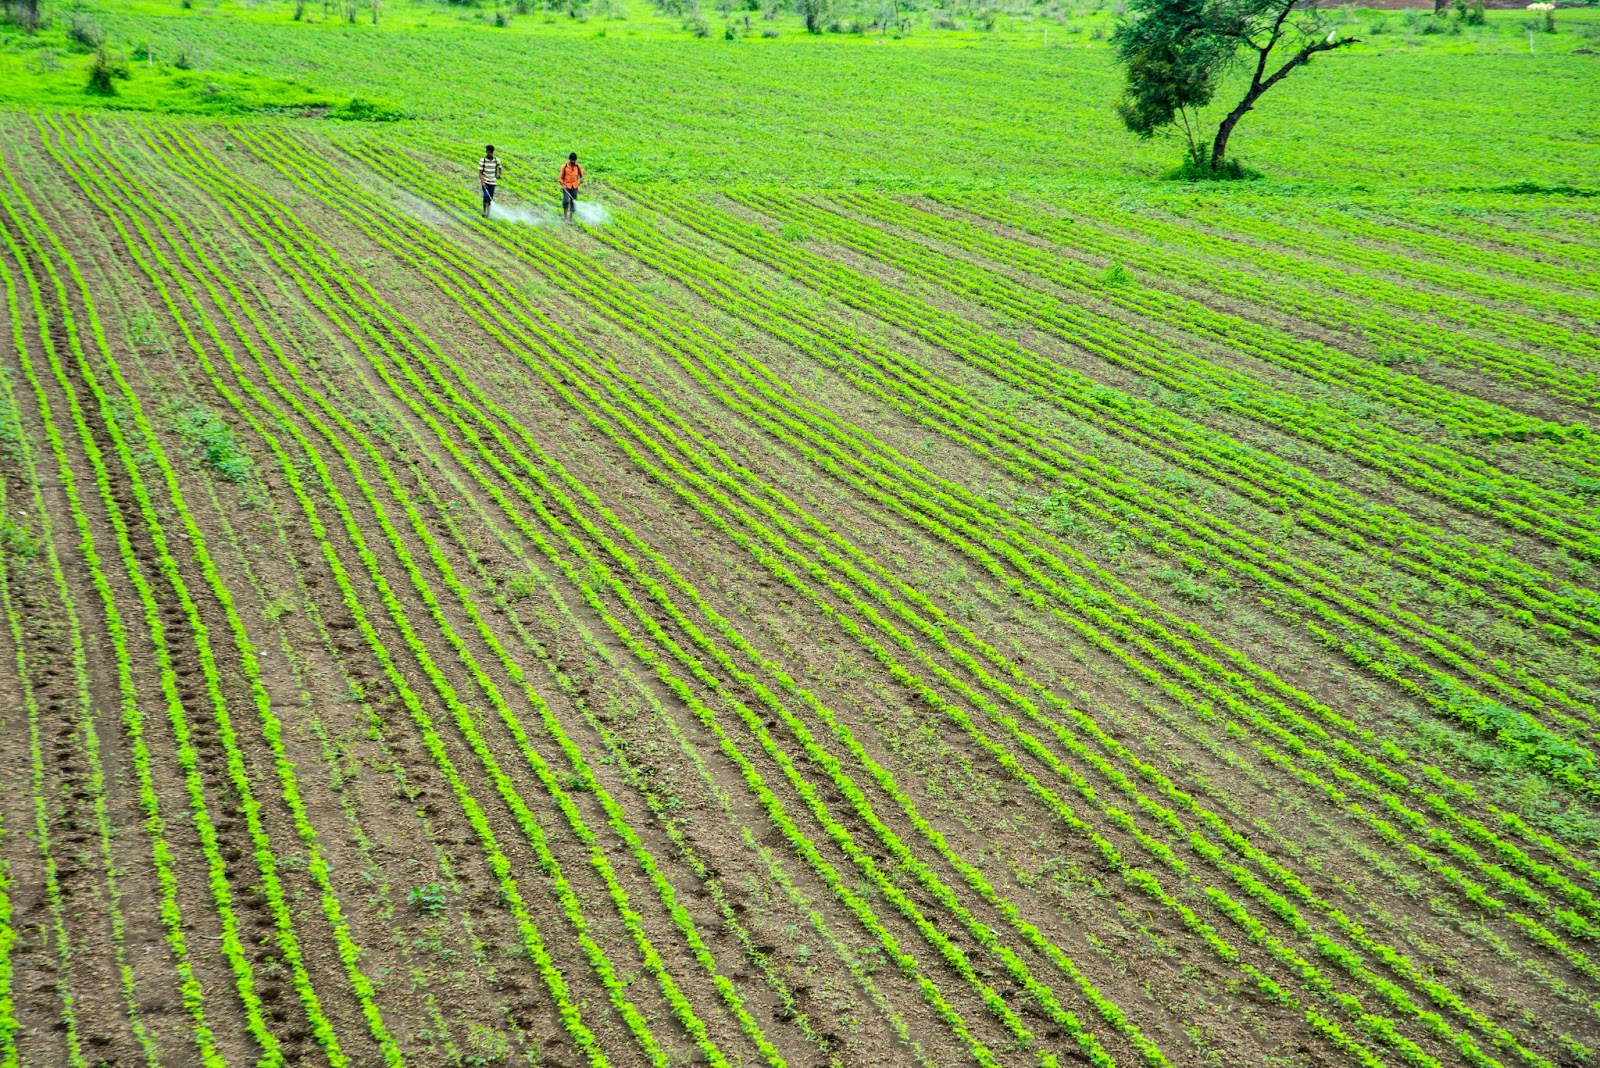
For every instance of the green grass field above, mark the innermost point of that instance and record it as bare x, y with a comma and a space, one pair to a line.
1026, 105
896, 581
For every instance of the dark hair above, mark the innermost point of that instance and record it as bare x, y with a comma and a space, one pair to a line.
488, 150
573, 156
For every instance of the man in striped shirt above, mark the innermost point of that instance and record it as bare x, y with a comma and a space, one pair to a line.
489, 172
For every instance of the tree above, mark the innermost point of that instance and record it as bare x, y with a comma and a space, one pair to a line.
24, 13
1175, 53
816, 14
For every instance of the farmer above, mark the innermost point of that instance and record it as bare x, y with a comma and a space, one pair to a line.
571, 178
489, 172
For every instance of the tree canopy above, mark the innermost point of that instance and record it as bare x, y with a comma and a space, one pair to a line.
1176, 52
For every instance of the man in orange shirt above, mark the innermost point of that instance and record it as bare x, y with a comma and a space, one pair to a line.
571, 178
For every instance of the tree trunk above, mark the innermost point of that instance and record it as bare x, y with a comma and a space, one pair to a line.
1219, 147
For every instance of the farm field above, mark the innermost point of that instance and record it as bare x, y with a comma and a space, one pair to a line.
868, 594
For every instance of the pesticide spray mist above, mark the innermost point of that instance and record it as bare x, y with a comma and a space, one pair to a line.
526, 216
588, 214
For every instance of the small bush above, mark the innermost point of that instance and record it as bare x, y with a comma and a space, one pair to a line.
429, 900
1200, 170
358, 109
21, 16
16, 539
1527, 188
1379, 25
183, 61
104, 72
219, 450
85, 34
299, 10
697, 25
942, 21
1116, 275
769, 32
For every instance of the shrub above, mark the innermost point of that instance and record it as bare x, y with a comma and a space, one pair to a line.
816, 14
429, 900
85, 34
104, 72
1116, 275
219, 449
358, 109
697, 25
1200, 170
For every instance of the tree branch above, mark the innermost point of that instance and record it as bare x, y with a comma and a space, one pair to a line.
1258, 86
1324, 45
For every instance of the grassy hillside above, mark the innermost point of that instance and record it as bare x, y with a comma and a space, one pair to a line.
1027, 104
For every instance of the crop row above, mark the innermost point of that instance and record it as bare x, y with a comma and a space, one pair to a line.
460, 712
46, 621
912, 391
1448, 298
636, 316
836, 831
1469, 417
162, 854
1464, 265
1430, 469
1319, 504
1539, 692
1426, 553
271, 728
1464, 234
1364, 306
745, 239
1325, 508
480, 399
